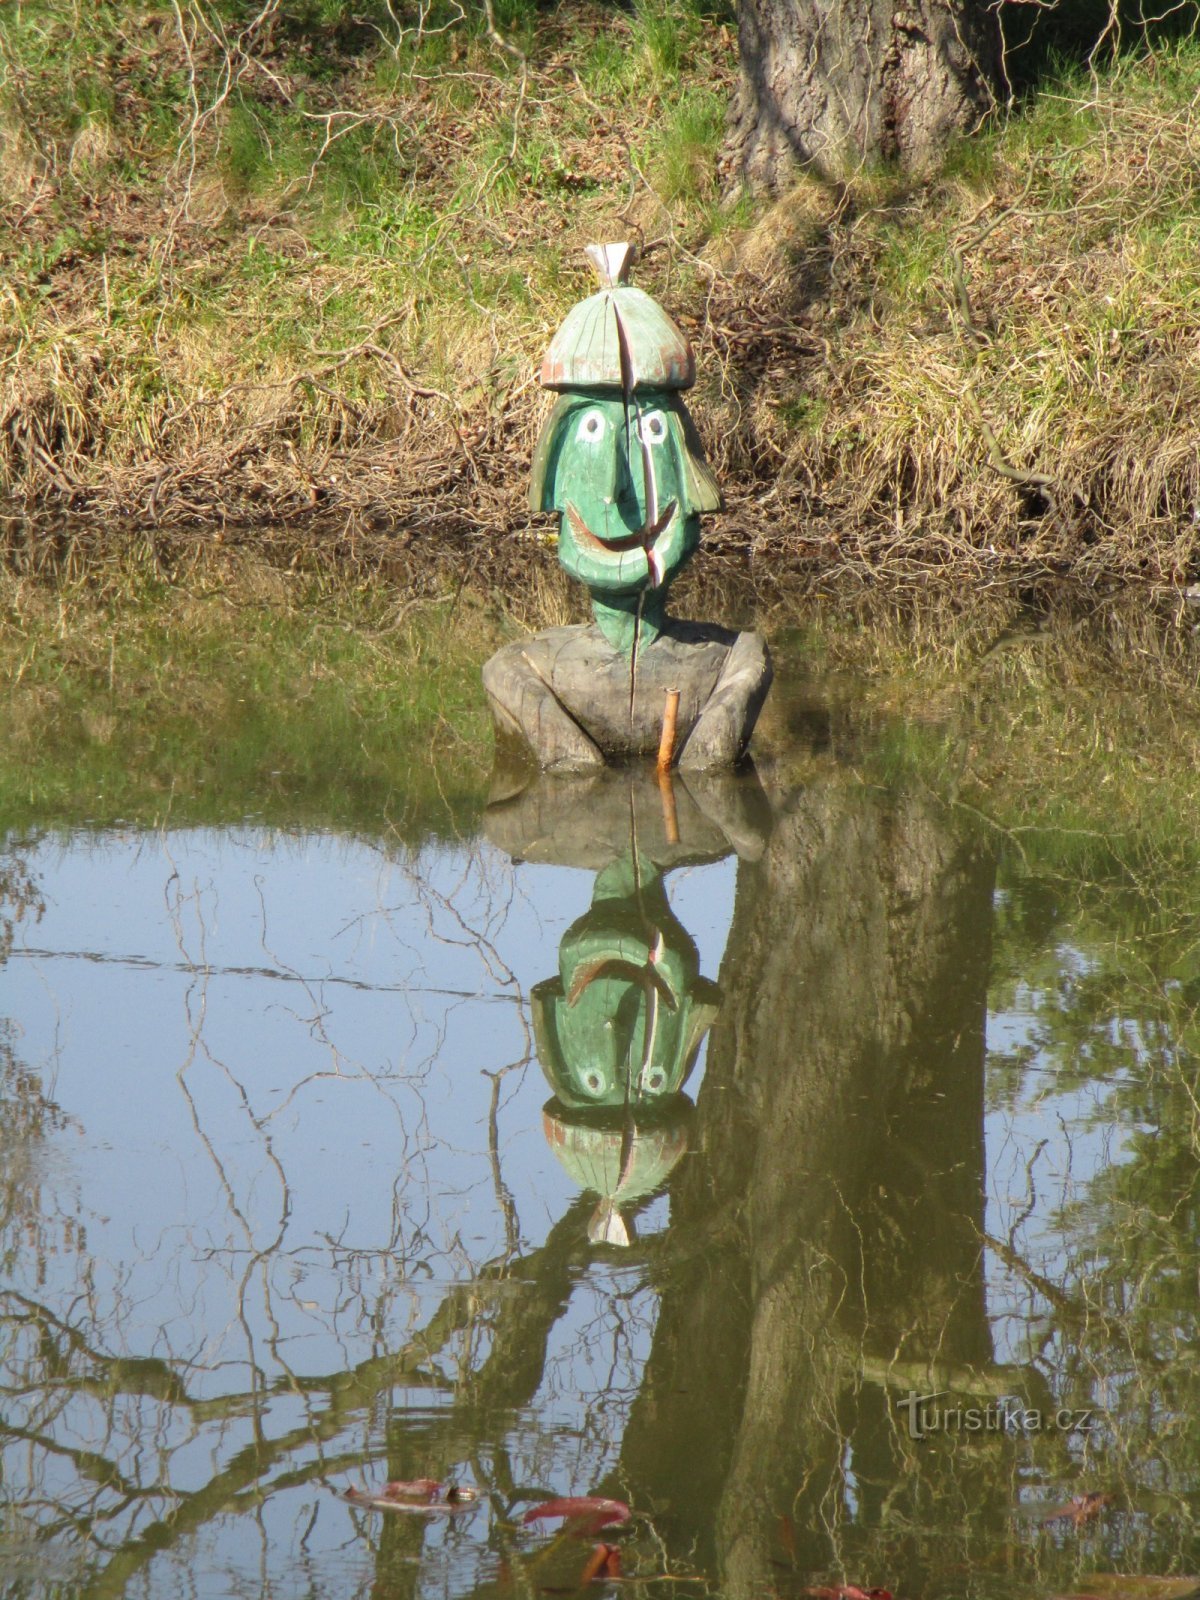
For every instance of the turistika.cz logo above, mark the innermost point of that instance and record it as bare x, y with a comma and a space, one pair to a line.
1005, 1415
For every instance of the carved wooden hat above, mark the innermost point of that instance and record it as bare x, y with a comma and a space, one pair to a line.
621, 1169
586, 352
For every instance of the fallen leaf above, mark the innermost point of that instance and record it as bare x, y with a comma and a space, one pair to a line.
586, 1513
427, 1489
422, 1496
604, 1562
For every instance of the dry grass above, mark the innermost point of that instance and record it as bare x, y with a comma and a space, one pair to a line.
988, 374
1002, 365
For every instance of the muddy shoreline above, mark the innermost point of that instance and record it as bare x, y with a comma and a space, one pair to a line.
744, 567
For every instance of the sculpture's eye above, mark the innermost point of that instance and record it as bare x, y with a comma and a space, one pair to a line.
591, 427
655, 427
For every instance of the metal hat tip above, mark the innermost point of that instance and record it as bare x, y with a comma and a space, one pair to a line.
611, 261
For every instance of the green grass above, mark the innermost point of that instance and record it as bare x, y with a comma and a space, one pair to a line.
429, 194
297, 239
686, 167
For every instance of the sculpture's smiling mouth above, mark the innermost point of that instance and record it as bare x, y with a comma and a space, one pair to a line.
590, 541
614, 550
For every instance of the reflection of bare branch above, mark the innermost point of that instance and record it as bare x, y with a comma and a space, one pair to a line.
1056, 1296
89, 1464
274, 1418
531, 1307
504, 1199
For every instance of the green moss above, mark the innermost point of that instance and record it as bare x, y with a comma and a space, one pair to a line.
804, 412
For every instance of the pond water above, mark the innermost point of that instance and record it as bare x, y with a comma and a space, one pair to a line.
661, 1146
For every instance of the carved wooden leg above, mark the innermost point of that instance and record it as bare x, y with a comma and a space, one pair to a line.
525, 706
721, 734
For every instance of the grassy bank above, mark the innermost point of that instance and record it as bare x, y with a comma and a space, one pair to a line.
293, 264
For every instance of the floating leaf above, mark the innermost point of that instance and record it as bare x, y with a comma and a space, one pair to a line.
604, 1562
585, 1513
428, 1489
420, 1495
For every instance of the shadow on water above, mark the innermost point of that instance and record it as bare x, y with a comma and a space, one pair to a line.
850, 1104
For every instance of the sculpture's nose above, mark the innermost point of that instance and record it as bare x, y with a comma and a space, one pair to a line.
619, 485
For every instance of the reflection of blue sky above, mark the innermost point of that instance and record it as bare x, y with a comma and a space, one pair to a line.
276, 1050
1045, 1145
357, 1064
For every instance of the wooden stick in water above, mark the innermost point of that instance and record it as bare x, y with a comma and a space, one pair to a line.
666, 754
666, 745
666, 789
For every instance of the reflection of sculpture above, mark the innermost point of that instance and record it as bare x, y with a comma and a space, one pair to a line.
621, 462
618, 1031
622, 1023
622, 1160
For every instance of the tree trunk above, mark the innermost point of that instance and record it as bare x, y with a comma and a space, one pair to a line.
834, 83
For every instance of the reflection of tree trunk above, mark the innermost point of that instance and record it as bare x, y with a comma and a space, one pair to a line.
833, 1208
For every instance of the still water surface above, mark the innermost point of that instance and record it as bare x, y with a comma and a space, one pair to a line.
303, 1188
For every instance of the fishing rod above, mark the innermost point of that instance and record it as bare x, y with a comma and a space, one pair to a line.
653, 523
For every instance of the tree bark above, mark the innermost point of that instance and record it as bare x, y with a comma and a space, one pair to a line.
831, 84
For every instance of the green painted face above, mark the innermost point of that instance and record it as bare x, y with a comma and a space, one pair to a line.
629, 484
622, 1023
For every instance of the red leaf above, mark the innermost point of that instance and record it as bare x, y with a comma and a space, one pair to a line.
595, 1565
589, 1512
